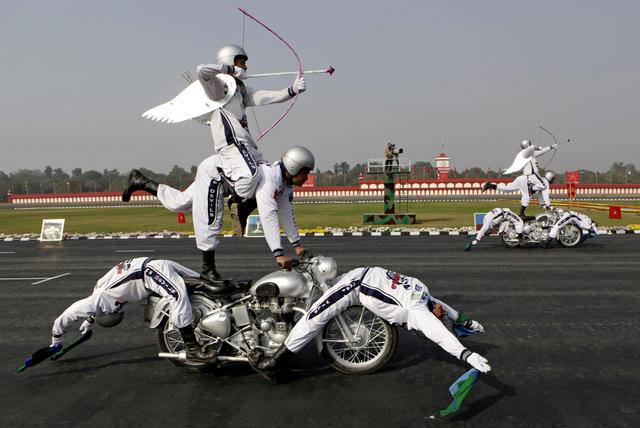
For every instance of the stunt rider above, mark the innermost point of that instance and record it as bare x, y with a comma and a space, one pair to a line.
237, 160
495, 218
527, 188
397, 298
530, 181
134, 280
573, 217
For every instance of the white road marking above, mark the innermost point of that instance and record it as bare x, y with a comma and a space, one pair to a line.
7, 252
135, 251
23, 279
49, 279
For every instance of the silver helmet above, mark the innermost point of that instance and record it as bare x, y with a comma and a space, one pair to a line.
227, 54
327, 266
525, 143
110, 320
550, 176
296, 158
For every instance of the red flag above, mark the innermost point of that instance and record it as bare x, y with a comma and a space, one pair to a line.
571, 190
181, 218
615, 212
572, 176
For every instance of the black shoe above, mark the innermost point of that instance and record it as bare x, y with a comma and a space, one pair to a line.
194, 351
209, 271
137, 181
271, 364
489, 185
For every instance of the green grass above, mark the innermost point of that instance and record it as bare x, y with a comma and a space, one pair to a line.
309, 216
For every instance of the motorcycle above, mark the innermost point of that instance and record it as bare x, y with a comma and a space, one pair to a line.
247, 322
536, 231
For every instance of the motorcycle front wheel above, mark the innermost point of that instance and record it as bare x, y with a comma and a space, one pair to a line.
509, 236
570, 236
169, 340
375, 342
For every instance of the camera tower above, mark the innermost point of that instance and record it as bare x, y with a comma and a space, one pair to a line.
389, 168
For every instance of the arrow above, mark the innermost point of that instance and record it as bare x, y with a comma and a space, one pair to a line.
329, 71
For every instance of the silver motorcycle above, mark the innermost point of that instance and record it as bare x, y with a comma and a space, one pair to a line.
247, 322
536, 231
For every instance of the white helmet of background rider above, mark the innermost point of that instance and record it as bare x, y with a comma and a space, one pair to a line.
550, 176
525, 143
227, 54
327, 266
296, 158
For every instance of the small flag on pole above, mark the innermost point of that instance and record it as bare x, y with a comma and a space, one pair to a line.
615, 212
459, 391
181, 218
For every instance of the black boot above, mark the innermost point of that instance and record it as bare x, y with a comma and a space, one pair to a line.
523, 216
193, 348
489, 185
209, 271
272, 363
137, 181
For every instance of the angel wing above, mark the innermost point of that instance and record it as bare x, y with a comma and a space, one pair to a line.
192, 102
521, 160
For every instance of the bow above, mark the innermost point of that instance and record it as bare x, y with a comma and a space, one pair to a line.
295, 98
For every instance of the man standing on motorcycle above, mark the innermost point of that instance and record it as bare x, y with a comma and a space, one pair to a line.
397, 298
134, 280
495, 218
527, 187
530, 181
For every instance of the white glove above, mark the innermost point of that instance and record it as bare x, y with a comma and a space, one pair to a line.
55, 341
86, 327
479, 362
299, 85
240, 73
554, 146
475, 326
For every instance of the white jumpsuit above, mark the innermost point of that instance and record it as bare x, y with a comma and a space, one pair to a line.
205, 197
572, 217
239, 154
397, 298
528, 185
495, 217
131, 281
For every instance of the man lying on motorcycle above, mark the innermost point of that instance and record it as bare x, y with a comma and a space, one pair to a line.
397, 298
495, 218
132, 281
573, 217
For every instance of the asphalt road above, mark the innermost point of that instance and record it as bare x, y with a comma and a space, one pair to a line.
561, 338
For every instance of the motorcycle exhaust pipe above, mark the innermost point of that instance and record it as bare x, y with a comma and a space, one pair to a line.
182, 355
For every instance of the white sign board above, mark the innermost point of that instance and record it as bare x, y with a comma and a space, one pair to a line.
52, 229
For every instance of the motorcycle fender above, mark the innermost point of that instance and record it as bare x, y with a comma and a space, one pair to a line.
160, 310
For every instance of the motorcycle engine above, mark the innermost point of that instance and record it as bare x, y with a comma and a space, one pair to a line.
218, 323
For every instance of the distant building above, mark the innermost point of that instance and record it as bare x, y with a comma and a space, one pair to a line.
443, 167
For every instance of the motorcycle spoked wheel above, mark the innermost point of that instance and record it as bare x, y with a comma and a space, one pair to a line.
377, 344
507, 234
570, 236
169, 340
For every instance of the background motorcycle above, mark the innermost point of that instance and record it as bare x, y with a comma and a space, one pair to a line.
252, 321
537, 231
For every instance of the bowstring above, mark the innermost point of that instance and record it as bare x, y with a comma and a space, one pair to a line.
253, 112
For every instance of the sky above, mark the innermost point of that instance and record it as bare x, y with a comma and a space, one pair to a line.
478, 76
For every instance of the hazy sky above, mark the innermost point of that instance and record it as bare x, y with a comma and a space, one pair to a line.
478, 75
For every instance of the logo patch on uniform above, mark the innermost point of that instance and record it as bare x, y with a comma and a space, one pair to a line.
123, 266
397, 279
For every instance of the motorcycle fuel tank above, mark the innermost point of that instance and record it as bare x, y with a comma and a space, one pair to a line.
280, 284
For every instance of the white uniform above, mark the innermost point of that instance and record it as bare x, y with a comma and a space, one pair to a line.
531, 167
495, 217
238, 151
397, 298
572, 217
275, 205
205, 197
131, 281
528, 185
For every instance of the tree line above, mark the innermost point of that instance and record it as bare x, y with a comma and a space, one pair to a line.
50, 180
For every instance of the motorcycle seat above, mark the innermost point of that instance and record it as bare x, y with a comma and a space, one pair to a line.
218, 288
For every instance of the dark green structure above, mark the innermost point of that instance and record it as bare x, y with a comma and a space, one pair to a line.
389, 216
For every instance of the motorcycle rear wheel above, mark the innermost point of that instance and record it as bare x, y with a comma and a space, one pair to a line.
377, 342
169, 340
570, 236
